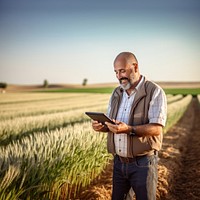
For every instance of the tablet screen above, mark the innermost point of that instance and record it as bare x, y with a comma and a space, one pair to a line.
100, 117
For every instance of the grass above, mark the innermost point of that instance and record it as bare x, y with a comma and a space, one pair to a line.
82, 90
183, 91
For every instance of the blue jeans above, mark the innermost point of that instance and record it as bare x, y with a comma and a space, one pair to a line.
140, 174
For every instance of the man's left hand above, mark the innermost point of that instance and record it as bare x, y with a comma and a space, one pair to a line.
118, 127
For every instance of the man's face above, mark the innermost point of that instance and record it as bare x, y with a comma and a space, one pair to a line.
125, 73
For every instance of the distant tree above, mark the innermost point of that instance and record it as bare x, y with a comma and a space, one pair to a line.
84, 82
3, 86
45, 84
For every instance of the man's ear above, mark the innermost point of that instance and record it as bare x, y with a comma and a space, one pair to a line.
135, 67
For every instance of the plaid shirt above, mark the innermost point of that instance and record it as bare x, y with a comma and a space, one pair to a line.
156, 114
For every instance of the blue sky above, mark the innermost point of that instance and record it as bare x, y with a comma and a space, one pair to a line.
65, 41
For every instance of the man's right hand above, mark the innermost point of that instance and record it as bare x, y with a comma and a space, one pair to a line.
99, 126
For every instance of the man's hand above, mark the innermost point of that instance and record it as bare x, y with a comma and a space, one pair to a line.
118, 127
99, 126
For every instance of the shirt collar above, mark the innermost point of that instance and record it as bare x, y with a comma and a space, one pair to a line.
140, 83
137, 87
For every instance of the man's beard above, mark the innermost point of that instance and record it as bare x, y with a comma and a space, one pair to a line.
127, 86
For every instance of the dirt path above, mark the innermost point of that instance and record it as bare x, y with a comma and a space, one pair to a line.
184, 180
179, 164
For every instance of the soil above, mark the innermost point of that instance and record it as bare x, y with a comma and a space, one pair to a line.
179, 164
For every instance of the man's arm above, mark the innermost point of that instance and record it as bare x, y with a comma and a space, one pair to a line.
140, 130
146, 130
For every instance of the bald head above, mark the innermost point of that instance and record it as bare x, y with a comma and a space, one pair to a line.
126, 57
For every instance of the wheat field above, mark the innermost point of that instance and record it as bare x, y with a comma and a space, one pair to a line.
47, 146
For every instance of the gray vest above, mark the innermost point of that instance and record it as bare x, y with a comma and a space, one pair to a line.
137, 146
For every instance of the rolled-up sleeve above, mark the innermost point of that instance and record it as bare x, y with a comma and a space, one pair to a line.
158, 107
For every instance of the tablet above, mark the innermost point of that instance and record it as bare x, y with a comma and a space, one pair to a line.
100, 117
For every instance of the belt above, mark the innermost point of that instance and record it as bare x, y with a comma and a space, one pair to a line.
131, 160
126, 159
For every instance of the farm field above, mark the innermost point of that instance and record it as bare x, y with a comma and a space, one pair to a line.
49, 151
179, 165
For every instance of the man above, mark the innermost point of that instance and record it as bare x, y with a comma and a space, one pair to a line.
139, 109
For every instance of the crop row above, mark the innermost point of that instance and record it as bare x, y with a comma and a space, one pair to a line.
71, 157
52, 105
175, 111
174, 98
13, 98
46, 115
198, 97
